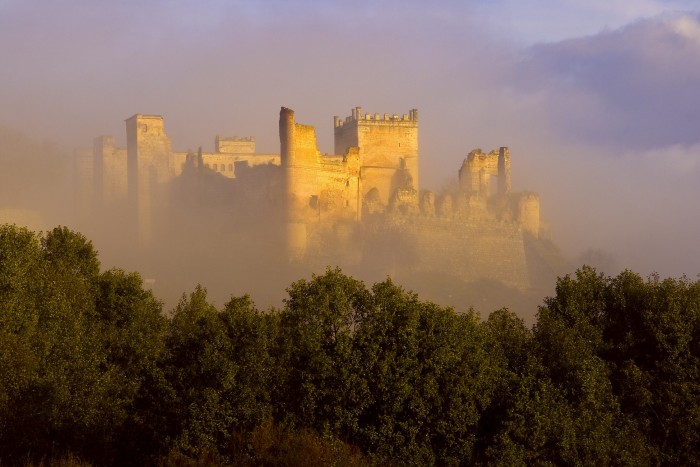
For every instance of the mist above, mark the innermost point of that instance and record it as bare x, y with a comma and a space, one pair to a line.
599, 109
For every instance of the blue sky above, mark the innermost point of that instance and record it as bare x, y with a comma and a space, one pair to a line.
597, 99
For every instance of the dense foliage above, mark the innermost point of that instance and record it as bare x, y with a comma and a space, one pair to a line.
92, 369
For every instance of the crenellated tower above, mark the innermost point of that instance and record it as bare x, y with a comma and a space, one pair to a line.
359, 206
387, 143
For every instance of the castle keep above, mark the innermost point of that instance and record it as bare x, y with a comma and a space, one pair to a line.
362, 205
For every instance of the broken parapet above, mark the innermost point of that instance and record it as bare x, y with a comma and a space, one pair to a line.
235, 144
478, 168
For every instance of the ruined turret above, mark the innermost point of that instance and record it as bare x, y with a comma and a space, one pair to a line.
478, 168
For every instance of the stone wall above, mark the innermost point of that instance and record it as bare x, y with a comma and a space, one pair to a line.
470, 250
361, 205
338, 188
235, 144
387, 143
529, 213
223, 163
110, 164
479, 168
149, 163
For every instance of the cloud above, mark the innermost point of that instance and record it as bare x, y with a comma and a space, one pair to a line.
605, 128
539, 21
633, 87
687, 26
674, 159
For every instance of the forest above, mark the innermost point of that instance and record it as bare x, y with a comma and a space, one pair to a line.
94, 371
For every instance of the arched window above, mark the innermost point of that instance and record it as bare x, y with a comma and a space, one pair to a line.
230, 167
223, 168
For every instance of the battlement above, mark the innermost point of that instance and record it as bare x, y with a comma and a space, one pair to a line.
363, 203
387, 143
238, 139
367, 118
235, 144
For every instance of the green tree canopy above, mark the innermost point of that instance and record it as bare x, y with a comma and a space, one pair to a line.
91, 367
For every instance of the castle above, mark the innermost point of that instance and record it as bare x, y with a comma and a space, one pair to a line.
362, 204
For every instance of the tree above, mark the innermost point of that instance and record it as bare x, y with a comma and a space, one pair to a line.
509, 346
132, 330
324, 387
75, 347
21, 265
428, 379
220, 368
570, 342
252, 334
653, 352
20, 283
71, 253
63, 395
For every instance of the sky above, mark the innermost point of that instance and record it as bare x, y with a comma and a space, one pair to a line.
597, 99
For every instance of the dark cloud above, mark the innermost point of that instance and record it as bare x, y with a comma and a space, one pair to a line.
633, 88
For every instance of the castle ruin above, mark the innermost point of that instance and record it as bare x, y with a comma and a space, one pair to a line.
361, 205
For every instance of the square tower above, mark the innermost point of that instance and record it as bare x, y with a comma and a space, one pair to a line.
149, 163
387, 143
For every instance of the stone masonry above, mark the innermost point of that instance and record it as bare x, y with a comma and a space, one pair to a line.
360, 205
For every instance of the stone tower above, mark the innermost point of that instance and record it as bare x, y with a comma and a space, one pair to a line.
300, 160
149, 163
387, 143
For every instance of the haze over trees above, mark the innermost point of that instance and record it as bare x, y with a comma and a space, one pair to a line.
93, 369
